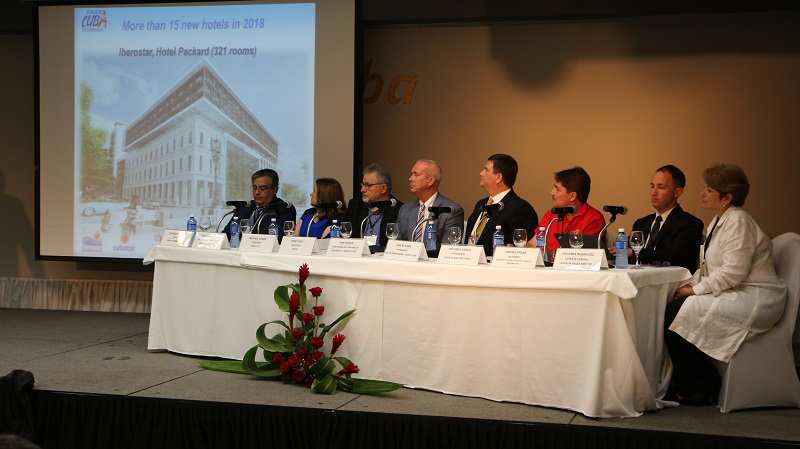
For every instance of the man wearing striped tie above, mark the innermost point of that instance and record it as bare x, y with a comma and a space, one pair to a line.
423, 182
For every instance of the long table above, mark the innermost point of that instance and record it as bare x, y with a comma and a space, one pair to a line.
584, 341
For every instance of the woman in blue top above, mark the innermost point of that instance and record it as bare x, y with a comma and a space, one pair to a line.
316, 221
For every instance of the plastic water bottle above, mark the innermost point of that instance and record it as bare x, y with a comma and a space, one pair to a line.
235, 229
540, 238
191, 224
272, 229
336, 230
498, 238
621, 260
430, 236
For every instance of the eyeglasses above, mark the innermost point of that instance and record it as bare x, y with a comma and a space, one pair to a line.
261, 188
367, 185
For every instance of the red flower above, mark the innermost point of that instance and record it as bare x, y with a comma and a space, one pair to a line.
307, 317
338, 339
294, 303
277, 358
317, 342
319, 310
284, 367
316, 355
298, 376
293, 360
297, 333
351, 368
315, 292
303, 272
301, 351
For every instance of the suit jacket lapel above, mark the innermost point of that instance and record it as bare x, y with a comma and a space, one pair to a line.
668, 224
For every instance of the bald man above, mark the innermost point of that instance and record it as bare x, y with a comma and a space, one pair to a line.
423, 182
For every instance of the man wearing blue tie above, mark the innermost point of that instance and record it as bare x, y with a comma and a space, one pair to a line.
423, 182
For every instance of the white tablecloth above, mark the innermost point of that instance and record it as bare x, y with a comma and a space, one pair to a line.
584, 341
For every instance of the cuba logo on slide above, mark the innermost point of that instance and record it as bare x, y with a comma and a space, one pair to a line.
94, 20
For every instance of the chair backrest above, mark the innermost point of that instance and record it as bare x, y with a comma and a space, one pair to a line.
786, 257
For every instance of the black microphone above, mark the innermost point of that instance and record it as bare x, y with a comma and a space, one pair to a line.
436, 210
332, 205
561, 211
615, 210
494, 207
391, 202
236, 204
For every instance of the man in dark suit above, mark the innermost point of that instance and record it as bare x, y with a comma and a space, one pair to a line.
370, 211
671, 234
265, 205
503, 207
426, 175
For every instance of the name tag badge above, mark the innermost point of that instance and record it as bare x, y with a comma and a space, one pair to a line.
299, 246
461, 255
210, 240
580, 259
347, 248
259, 243
511, 257
174, 237
406, 251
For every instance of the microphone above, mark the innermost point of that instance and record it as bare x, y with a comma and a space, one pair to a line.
614, 210
561, 211
494, 207
332, 205
436, 210
236, 204
391, 202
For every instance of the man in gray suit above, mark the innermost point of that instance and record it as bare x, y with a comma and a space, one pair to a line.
426, 175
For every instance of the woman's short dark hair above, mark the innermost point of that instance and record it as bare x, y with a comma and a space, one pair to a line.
329, 191
728, 178
576, 180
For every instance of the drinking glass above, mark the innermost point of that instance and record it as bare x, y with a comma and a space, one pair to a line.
346, 230
244, 224
576, 239
637, 243
392, 232
454, 235
204, 223
520, 238
288, 228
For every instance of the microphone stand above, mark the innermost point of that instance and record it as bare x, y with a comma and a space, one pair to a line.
547, 234
610, 221
223, 218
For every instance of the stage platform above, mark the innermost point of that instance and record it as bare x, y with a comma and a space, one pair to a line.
98, 386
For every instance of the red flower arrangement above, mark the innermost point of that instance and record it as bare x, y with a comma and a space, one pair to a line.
296, 354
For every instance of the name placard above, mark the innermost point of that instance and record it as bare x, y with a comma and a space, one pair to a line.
403, 250
299, 246
348, 248
580, 259
461, 255
259, 243
511, 257
210, 240
174, 237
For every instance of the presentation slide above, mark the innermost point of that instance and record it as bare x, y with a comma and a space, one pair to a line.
173, 108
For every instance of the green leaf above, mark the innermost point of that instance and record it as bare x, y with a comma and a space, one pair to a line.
324, 385
344, 361
282, 298
259, 369
336, 321
323, 367
370, 386
303, 297
226, 366
275, 344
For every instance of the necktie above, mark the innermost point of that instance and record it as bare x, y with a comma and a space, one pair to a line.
484, 220
651, 240
420, 228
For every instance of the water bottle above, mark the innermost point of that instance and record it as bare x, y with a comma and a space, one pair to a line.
191, 225
498, 238
272, 229
621, 260
540, 238
336, 230
430, 237
235, 229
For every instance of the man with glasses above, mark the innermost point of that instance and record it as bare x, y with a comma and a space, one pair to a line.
266, 205
373, 209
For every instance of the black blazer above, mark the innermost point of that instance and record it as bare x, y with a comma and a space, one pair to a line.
357, 211
678, 241
516, 214
278, 208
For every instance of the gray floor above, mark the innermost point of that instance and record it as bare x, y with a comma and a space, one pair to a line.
106, 353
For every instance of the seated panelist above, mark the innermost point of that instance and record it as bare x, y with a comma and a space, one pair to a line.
327, 200
373, 209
